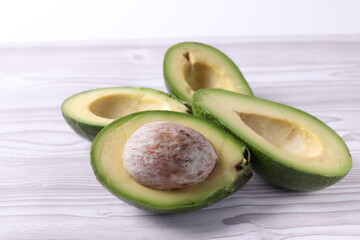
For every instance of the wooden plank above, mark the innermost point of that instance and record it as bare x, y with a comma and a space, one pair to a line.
47, 187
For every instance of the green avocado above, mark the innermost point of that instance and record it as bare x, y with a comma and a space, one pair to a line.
190, 66
289, 148
230, 173
89, 112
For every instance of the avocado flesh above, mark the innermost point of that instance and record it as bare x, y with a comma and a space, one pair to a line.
191, 66
231, 172
289, 148
89, 112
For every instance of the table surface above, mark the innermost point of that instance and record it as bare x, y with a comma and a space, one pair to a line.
48, 189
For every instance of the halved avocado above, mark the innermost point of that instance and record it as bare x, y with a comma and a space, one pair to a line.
289, 148
190, 66
90, 111
231, 172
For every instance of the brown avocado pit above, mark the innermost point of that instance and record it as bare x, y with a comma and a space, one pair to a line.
168, 156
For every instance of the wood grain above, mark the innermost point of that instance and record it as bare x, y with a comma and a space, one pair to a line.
47, 187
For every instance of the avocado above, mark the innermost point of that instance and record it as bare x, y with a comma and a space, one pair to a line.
190, 66
289, 148
231, 172
90, 111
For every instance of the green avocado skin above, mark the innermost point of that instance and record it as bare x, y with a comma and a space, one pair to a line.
283, 176
244, 173
272, 171
86, 131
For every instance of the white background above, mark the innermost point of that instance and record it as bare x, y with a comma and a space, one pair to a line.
76, 20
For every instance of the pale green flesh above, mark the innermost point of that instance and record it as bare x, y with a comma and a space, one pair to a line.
100, 107
107, 162
286, 136
189, 67
282, 133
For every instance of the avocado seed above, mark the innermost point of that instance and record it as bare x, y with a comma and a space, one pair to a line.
168, 156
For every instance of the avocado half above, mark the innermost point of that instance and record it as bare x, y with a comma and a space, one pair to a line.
231, 172
289, 148
90, 111
190, 66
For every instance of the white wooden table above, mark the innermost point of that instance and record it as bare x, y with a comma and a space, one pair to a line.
48, 189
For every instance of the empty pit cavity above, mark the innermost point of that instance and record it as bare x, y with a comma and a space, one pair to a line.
288, 137
119, 105
200, 75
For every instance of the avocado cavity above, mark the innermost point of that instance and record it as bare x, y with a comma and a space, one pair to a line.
89, 112
200, 75
287, 136
119, 105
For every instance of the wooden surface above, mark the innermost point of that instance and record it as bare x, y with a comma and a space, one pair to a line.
48, 189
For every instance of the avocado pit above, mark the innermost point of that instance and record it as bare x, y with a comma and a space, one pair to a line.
168, 156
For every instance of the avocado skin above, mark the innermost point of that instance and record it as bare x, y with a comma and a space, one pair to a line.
86, 131
272, 171
168, 76
283, 176
244, 173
